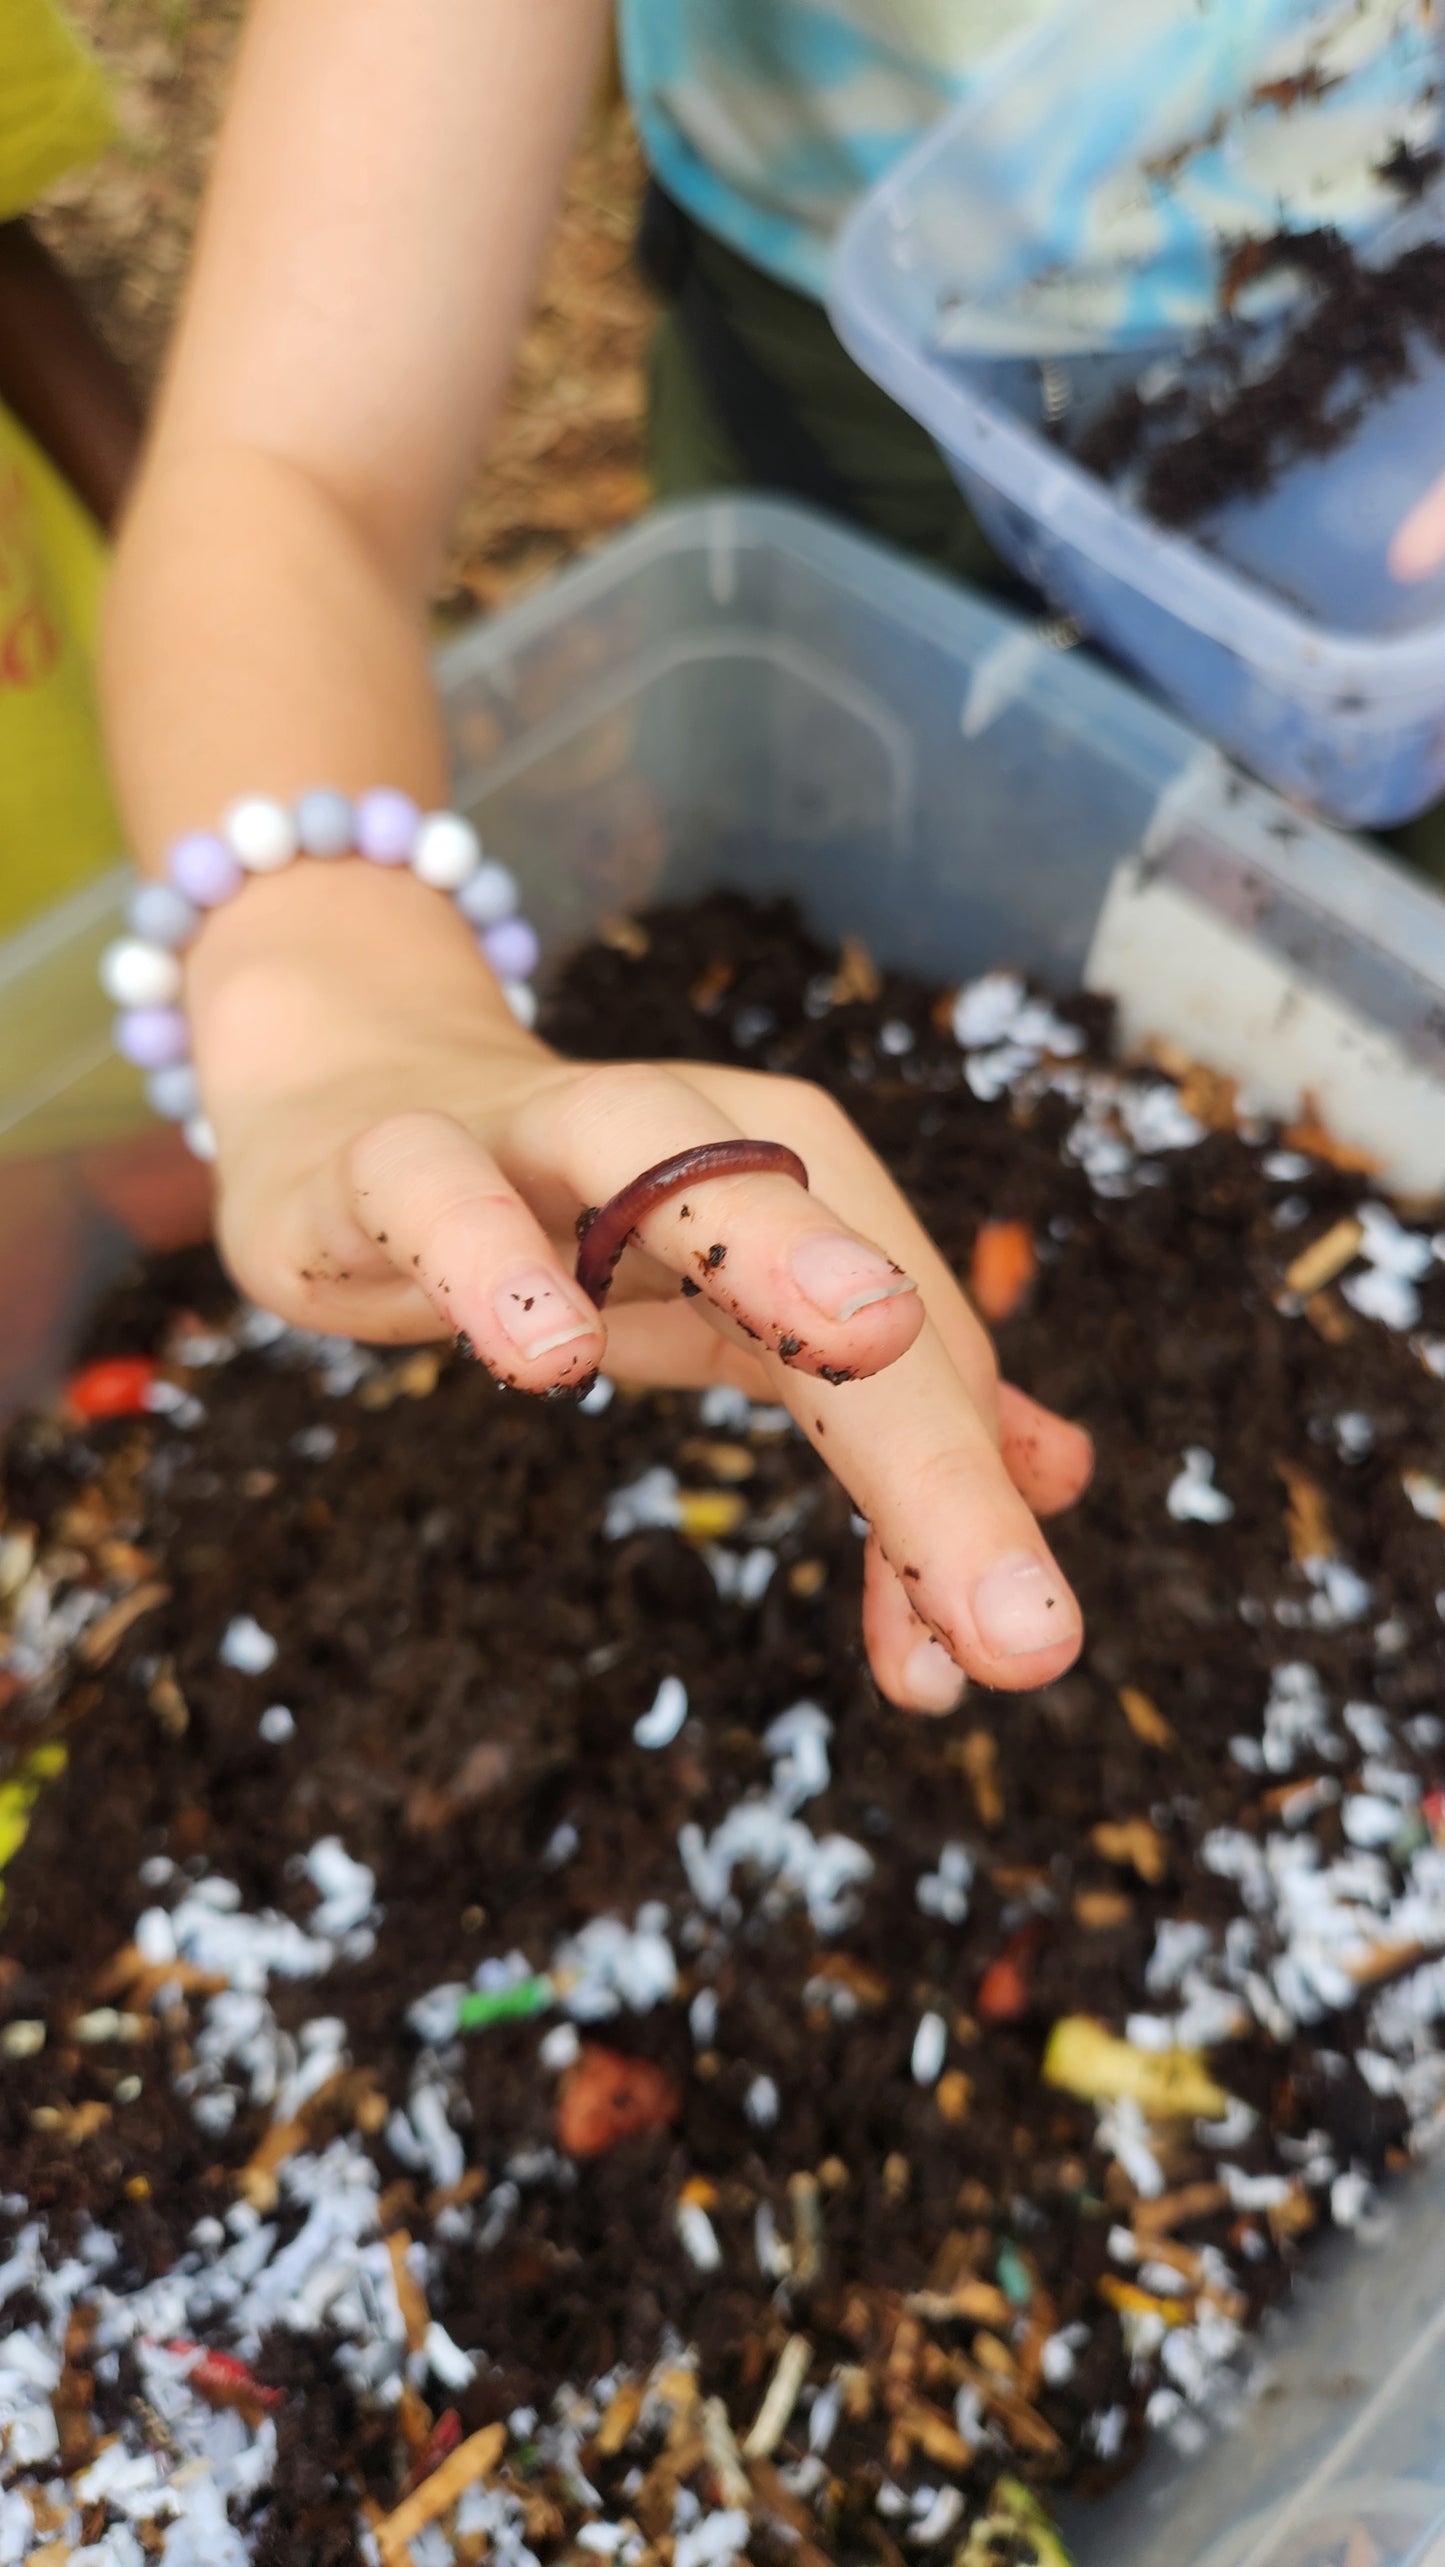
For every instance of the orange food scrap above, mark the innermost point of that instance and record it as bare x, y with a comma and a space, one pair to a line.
607, 2097
1005, 1262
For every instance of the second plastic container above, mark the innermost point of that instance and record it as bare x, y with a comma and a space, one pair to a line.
1278, 629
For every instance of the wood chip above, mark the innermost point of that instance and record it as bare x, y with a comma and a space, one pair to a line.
167, 1701
416, 1378
478, 2457
1293, 2217
734, 2487
1309, 1134
623, 935
1145, 1718
410, 2297
954, 2095
807, 1578
1325, 1258
1211, 1097
256, 2180
866, 1986
857, 978
1384, 1960
75, 2123
711, 987
730, 1463
1307, 1517
783, 2392
620, 2420
1175, 2210
1023, 2424
1133, 1843
1329, 1318
977, 1755
995, 2357
918, 2425
130, 1976
99, 1643
800, 2527
807, 2229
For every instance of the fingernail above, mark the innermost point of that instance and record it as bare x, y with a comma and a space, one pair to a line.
1021, 1607
931, 1681
841, 1276
538, 1316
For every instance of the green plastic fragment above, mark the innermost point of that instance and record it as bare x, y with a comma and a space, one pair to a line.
483, 2006
1013, 2278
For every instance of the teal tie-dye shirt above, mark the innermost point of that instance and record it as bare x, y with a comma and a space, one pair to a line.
768, 119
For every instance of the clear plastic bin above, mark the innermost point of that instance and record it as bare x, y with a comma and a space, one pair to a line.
736, 693
1277, 627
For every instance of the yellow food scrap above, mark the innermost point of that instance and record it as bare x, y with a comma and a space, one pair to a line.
1169, 2085
1130, 2301
19, 1796
709, 1515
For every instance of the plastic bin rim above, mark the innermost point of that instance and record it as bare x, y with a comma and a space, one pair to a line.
1167, 569
837, 553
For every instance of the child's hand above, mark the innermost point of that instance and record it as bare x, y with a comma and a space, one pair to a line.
397, 1155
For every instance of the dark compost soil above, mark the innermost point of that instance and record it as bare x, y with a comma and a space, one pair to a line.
1226, 432
988, 2277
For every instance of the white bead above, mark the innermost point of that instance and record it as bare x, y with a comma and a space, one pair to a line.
260, 833
199, 1138
490, 896
522, 1000
447, 851
136, 974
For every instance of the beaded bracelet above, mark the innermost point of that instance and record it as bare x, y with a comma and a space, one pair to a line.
141, 972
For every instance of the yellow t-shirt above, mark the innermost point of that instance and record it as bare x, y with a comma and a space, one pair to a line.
57, 820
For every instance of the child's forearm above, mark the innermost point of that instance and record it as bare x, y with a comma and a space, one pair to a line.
254, 643
384, 191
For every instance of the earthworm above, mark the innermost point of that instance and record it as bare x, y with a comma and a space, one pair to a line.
607, 1232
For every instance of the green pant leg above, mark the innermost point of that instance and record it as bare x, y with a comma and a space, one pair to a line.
1420, 843
899, 484
689, 452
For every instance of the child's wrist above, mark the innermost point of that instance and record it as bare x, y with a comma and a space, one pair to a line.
319, 971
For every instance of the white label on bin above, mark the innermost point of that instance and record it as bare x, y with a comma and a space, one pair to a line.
1177, 970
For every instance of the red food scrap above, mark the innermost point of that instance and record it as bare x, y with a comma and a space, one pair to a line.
1005, 1262
222, 2379
440, 2443
1006, 1989
607, 2097
115, 1387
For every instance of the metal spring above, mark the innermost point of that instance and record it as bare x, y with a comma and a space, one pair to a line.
1057, 388
1059, 632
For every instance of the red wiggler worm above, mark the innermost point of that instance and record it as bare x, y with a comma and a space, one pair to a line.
605, 1234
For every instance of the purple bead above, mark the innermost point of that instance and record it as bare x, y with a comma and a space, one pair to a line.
152, 1038
386, 826
512, 949
203, 867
